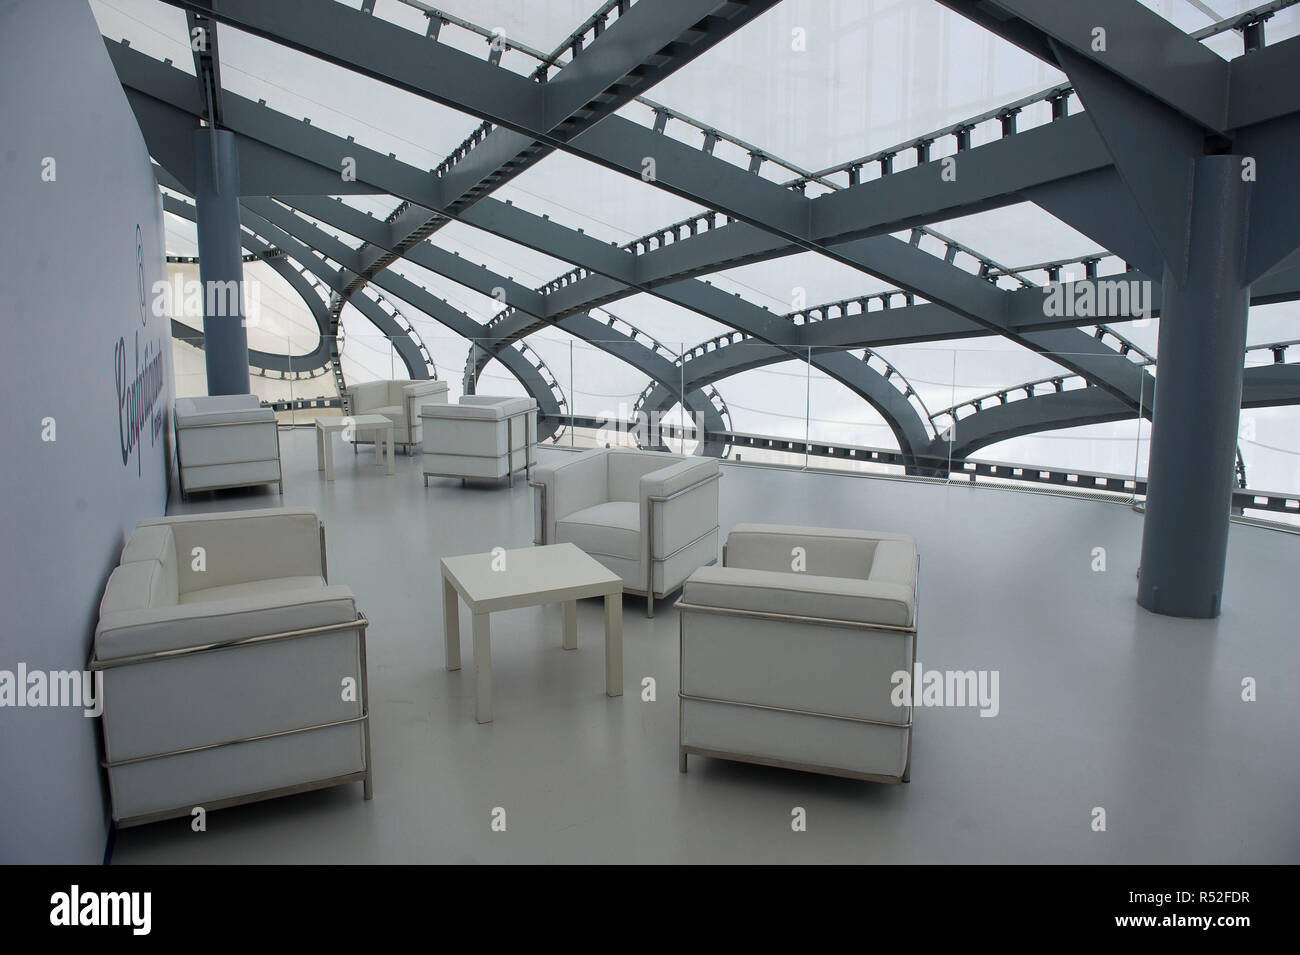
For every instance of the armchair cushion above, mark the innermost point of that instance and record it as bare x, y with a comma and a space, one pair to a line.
254, 588
802, 595
827, 551
578, 482
626, 468
281, 608
393, 413
612, 529
367, 396
241, 546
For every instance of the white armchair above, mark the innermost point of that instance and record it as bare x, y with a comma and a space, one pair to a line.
482, 436
232, 670
789, 648
225, 441
399, 401
650, 517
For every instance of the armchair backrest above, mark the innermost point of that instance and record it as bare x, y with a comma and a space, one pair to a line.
414, 395
824, 552
369, 394
625, 468
241, 546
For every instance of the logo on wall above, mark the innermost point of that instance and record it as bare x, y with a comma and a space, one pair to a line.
138, 387
139, 271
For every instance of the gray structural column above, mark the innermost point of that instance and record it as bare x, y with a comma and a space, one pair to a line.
221, 266
1197, 402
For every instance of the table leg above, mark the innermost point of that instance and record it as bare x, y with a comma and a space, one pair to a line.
482, 669
570, 624
329, 456
451, 624
320, 449
392, 465
614, 644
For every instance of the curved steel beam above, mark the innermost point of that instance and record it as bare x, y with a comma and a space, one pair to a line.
318, 357
1263, 386
971, 296
605, 336
300, 238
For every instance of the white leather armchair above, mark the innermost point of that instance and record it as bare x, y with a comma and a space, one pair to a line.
482, 436
650, 517
225, 441
793, 667
232, 670
399, 401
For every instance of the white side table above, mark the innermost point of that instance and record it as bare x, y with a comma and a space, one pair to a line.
377, 423
527, 577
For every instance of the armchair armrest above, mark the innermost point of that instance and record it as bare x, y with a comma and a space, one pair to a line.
242, 546
215, 410
679, 502
420, 393
126, 636
868, 603
579, 482
677, 477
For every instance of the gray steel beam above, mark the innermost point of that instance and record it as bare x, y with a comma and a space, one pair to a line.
301, 237
1046, 412
542, 233
207, 63
1263, 386
1099, 205
460, 270
1152, 147
644, 45
482, 280
312, 256
1262, 86
399, 57
1136, 44
1275, 207
987, 177
888, 258
510, 222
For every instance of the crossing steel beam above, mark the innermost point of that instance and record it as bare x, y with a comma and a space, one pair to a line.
319, 356
645, 44
480, 279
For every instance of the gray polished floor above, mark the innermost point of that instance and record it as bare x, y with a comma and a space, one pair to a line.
1101, 704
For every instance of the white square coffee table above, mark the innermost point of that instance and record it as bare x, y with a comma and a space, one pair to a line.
528, 577
325, 428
